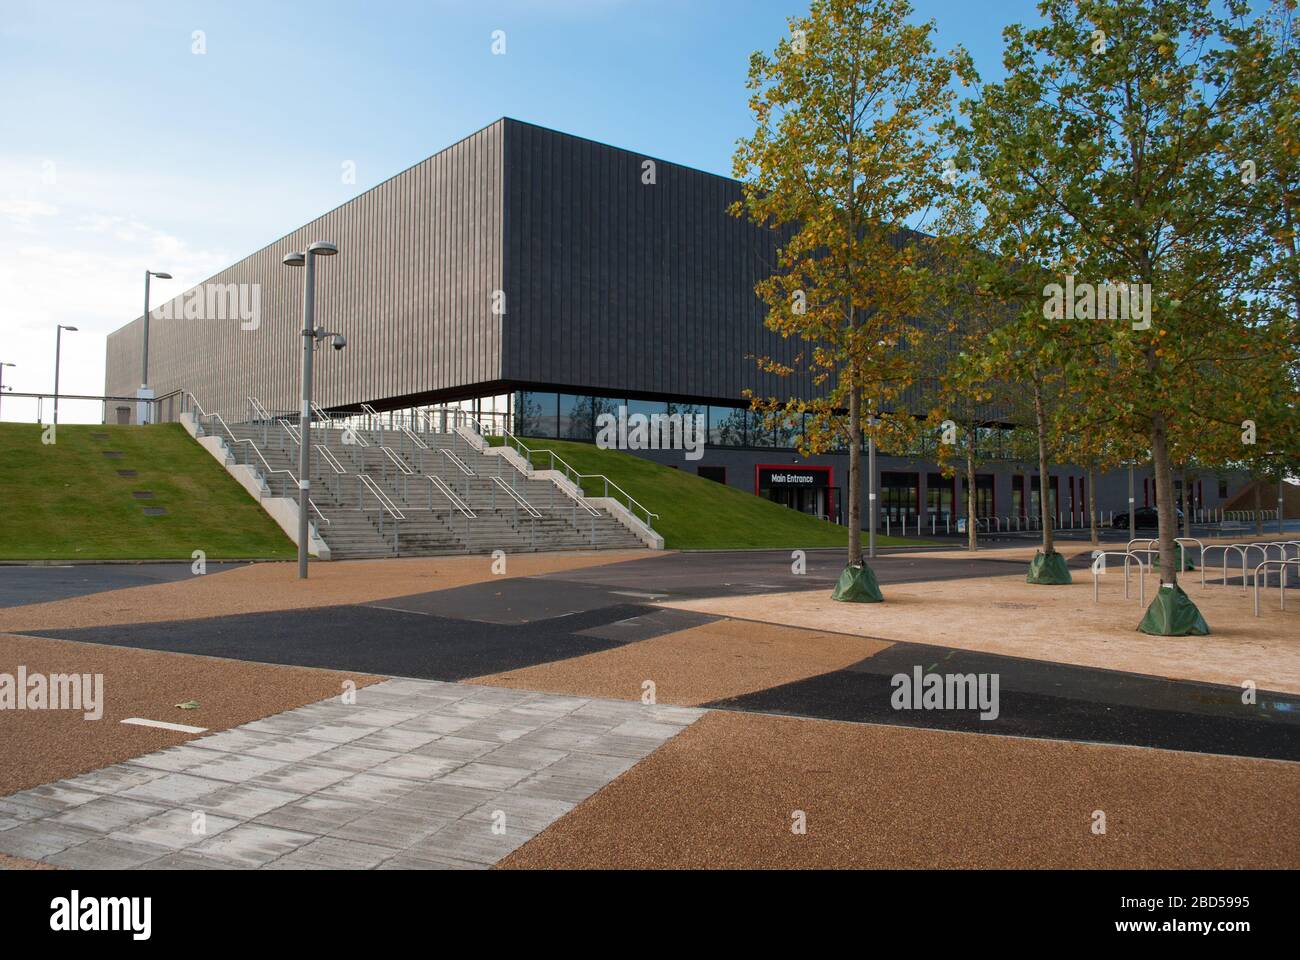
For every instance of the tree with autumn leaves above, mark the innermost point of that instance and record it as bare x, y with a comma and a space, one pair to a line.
1120, 134
1129, 200
844, 160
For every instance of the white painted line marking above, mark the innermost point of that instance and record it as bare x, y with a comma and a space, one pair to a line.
633, 593
164, 725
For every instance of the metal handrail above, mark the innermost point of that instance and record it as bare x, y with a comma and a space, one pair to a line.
568, 471
461, 465
382, 497
409, 433
330, 458
317, 409
452, 496
294, 433
514, 495
257, 453
258, 409
1282, 565
610, 483
397, 461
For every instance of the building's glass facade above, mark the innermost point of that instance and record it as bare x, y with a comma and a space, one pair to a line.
573, 417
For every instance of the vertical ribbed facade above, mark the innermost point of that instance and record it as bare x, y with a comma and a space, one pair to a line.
621, 286
611, 285
419, 260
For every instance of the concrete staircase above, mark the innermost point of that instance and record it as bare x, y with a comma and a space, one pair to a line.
423, 494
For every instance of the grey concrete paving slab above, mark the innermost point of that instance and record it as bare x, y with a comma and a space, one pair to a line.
411, 774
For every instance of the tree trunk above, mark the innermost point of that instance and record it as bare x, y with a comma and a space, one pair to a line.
1092, 505
1044, 501
1164, 484
1259, 507
855, 476
972, 534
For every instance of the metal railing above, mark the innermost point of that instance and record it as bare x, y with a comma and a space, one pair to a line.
386, 505
233, 442
1282, 565
518, 499
1180, 542
1129, 557
460, 464
556, 463
452, 497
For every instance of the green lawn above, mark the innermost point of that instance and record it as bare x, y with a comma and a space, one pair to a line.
65, 501
698, 514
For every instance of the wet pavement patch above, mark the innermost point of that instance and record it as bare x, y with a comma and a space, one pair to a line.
1044, 700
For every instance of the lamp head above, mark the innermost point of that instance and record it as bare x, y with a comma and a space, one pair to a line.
295, 259
160, 274
323, 249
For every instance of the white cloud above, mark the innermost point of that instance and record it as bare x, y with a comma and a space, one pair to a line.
83, 268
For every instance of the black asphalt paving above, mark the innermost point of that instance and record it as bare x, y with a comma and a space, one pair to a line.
695, 575
1045, 700
20, 585
507, 624
383, 640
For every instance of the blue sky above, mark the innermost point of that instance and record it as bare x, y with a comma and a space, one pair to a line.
121, 148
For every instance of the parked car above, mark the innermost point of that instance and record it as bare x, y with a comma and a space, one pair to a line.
1142, 517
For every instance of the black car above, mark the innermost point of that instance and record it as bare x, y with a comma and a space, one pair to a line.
1142, 517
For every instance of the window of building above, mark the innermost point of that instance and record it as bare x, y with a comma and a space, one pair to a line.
1223, 489
726, 426
898, 495
536, 414
716, 474
939, 496
576, 421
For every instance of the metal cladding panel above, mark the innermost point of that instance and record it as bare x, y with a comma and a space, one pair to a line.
618, 286
420, 256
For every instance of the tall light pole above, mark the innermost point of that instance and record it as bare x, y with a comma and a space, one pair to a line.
58, 346
1132, 507
144, 394
2, 376
310, 334
871, 489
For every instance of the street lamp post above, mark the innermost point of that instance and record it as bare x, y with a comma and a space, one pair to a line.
310, 334
1132, 507
2, 376
144, 394
58, 346
871, 490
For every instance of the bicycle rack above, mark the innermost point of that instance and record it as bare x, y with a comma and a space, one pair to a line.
1128, 556
1282, 564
